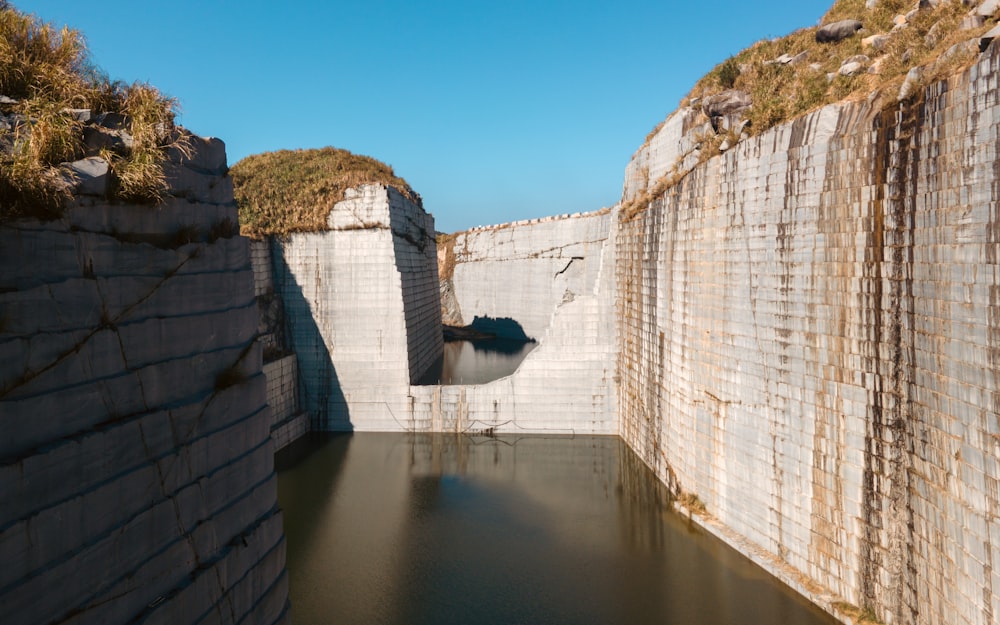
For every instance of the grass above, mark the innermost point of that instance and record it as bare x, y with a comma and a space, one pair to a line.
781, 93
48, 72
861, 616
293, 190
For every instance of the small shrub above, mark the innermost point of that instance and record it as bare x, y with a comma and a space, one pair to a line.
727, 73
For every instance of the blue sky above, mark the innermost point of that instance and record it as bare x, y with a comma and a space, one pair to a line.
492, 111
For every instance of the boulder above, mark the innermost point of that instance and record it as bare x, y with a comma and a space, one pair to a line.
910, 84
837, 31
987, 38
788, 59
987, 8
114, 121
97, 138
850, 69
89, 176
876, 42
726, 103
80, 115
725, 110
205, 155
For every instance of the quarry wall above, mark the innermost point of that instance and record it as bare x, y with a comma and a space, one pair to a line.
288, 421
363, 309
136, 470
810, 348
554, 278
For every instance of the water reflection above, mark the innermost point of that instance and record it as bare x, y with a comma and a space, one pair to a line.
478, 362
398, 528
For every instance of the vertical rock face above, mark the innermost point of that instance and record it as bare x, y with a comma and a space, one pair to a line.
809, 345
136, 476
281, 367
523, 271
363, 308
553, 280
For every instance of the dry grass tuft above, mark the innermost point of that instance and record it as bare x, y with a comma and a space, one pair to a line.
294, 190
782, 92
47, 72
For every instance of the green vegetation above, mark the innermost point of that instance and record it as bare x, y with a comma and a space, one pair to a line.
294, 190
44, 73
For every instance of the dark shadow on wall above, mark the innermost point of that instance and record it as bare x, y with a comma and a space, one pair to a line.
502, 328
319, 388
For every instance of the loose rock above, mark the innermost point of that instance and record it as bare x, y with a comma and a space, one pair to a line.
726, 103
97, 138
89, 176
850, 69
725, 110
910, 83
987, 8
80, 115
876, 42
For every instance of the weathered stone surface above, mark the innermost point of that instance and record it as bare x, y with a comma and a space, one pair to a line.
788, 59
853, 65
876, 42
205, 155
910, 83
90, 175
136, 460
363, 309
987, 8
970, 22
97, 138
808, 327
837, 31
554, 277
726, 103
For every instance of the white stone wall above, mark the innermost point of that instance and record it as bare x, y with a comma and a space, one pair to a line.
260, 260
810, 345
524, 270
560, 280
362, 303
136, 475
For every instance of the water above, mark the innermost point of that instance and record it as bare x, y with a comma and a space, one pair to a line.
438, 529
478, 362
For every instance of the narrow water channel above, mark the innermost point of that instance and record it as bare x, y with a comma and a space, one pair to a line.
438, 529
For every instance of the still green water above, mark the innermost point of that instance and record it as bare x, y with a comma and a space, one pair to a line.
438, 529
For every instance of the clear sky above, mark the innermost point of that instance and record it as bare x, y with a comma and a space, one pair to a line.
493, 111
